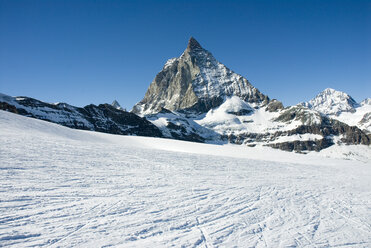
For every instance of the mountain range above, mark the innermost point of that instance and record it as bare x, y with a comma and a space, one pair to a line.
196, 98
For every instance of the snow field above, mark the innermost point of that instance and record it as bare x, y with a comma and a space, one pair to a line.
68, 188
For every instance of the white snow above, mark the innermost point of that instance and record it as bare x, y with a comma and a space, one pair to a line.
223, 120
301, 137
70, 188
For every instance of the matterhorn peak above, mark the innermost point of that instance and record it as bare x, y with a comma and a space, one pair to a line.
193, 44
195, 82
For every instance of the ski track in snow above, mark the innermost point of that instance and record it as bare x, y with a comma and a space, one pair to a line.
66, 188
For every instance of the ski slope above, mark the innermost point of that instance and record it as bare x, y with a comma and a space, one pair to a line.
61, 187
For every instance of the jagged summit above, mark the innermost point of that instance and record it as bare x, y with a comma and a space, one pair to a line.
195, 81
193, 44
332, 102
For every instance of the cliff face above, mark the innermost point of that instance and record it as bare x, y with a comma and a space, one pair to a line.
195, 81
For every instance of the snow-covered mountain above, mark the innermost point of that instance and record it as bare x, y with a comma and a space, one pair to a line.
195, 97
341, 106
332, 102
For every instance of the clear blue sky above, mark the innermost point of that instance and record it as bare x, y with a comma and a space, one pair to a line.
84, 52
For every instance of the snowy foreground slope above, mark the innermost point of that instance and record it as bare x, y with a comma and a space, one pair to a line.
62, 187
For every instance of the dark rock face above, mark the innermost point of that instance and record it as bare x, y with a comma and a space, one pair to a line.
241, 112
299, 146
193, 44
7, 107
103, 118
179, 132
107, 119
274, 106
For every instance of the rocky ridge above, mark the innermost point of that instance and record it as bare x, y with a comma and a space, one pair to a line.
102, 118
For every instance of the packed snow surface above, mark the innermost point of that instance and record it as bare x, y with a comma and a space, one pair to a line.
66, 188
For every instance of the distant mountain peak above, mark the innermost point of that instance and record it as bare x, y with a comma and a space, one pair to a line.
116, 105
332, 102
367, 101
193, 44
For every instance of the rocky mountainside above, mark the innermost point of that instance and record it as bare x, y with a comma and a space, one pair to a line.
195, 97
102, 118
342, 107
195, 81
